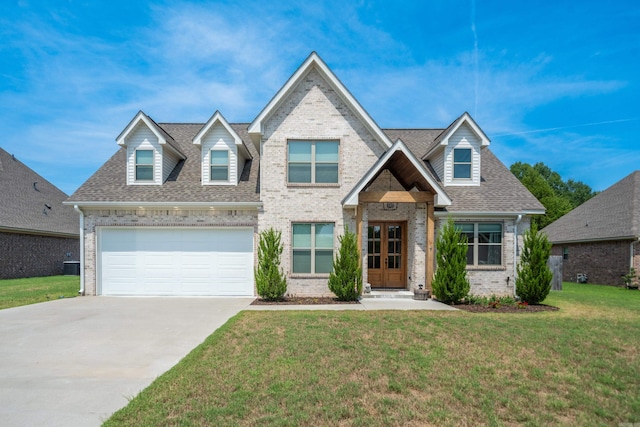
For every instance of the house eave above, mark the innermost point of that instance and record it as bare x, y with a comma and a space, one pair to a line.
17, 230
598, 239
168, 205
487, 214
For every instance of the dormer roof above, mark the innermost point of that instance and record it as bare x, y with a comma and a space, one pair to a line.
443, 139
163, 137
314, 61
218, 118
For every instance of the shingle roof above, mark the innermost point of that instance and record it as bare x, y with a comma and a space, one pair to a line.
35, 208
500, 191
109, 184
612, 214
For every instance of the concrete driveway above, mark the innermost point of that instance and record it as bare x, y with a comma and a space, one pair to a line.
73, 362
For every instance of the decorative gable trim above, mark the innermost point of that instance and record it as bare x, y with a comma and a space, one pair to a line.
219, 118
314, 61
440, 197
164, 138
443, 139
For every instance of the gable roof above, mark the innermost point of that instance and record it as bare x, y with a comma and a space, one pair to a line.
163, 136
314, 61
31, 204
613, 214
443, 139
217, 117
398, 151
108, 185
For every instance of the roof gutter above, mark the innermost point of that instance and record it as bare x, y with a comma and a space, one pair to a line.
81, 291
37, 232
487, 214
171, 205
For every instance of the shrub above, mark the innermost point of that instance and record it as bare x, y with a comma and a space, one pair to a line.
345, 279
271, 283
450, 283
534, 276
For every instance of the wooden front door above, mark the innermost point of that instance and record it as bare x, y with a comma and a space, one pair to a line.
386, 254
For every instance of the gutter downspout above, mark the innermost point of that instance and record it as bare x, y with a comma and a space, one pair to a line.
515, 253
77, 209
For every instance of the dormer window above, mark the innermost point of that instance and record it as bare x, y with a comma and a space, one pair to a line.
462, 163
313, 162
219, 165
144, 165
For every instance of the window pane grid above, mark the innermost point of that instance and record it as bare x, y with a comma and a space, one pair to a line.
313, 162
144, 165
485, 243
462, 163
312, 248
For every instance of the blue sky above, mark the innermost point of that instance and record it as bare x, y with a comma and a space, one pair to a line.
550, 81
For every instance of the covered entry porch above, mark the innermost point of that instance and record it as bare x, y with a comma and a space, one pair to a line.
395, 221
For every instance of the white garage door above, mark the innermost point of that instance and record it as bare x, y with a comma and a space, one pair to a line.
176, 261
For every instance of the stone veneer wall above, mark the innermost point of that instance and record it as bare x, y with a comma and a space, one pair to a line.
495, 280
27, 255
603, 262
157, 218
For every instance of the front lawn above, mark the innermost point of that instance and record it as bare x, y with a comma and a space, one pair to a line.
16, 292
576, 366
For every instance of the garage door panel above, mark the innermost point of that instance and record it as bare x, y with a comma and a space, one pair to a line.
155, 261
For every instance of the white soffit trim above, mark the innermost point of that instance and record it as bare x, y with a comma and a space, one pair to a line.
441, 198
464, 118
464, 214
219, 118
314, 61
170, 205
142, 117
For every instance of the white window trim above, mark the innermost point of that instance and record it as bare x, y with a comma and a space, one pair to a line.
312, 248
476, 244
153, 166
454, 163
313, 164
228, 180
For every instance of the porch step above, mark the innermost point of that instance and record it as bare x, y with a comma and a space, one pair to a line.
389, 294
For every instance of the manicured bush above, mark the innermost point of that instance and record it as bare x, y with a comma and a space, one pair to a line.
533, 283
345, 280
271, 282
450, 283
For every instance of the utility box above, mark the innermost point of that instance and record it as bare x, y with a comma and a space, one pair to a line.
71, 268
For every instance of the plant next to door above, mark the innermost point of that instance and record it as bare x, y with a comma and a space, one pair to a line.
450, 283
345, 280
271, 282
534, 276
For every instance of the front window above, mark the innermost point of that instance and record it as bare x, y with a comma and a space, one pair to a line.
313, 162
144, 165
462, 163
485, 243
312, 248
219, 160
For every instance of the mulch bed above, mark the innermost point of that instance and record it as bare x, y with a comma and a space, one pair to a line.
505, 308
302, 301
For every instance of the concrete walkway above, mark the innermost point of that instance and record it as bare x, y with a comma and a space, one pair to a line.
73, 362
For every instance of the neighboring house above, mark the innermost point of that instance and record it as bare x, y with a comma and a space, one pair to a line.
177, 209
37, 233
600, 237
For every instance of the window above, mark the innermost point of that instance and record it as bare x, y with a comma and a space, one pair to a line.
313, 162
312, 248
485, 243
462, 163
565, 252
219, 161
144, 165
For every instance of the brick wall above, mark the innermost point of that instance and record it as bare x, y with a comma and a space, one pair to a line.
26, 255
603, 262
93, 219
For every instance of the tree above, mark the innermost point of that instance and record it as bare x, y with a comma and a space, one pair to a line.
557, 197
450, 283
271, 282
345, 280
534, 276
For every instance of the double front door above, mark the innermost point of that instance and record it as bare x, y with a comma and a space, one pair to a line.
386, 254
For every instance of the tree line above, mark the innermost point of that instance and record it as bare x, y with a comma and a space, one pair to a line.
557, 196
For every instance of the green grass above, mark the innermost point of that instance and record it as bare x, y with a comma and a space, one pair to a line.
575, 366
17, 292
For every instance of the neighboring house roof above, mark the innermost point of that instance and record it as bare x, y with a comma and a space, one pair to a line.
31, 204
613, 214
314, 61
108, 185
